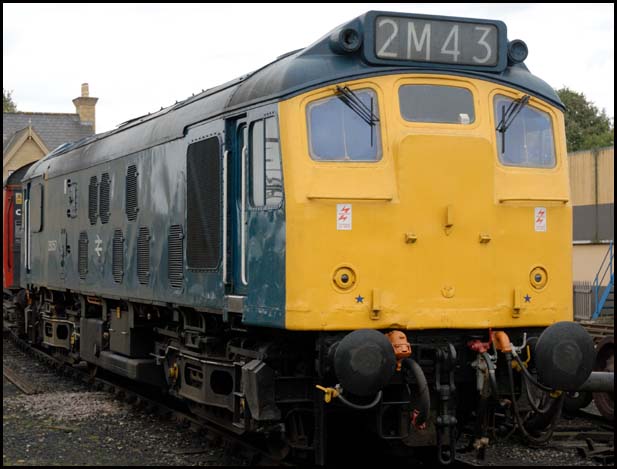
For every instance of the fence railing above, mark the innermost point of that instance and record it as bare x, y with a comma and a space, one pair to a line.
584, 301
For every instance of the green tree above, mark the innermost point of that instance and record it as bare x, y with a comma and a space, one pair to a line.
586, 126
7, 102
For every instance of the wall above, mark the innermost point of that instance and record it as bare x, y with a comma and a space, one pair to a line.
27, 153
586, 260
592, 184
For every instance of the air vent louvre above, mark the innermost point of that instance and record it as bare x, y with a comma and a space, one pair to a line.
104, 198
93, 200
203, 238
175, 259
82, 254
143, 256
131, 193
117, 266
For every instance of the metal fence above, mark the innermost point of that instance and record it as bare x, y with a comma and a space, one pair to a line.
584, 303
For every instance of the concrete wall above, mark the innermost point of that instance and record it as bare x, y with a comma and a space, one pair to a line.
592, 186
586, 260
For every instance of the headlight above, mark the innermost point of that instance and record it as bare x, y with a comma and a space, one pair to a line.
538, 278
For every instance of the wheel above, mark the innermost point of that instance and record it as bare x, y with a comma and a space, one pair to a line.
577, 400
605, 361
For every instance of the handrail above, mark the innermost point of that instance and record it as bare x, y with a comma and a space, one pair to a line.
224, 266
609, 252
243, 219
599, 278
11, 237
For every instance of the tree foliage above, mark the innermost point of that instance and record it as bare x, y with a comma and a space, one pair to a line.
586, 126
7, 102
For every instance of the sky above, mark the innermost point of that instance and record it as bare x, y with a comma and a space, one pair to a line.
140, 57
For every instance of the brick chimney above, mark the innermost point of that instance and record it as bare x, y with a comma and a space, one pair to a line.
85, 106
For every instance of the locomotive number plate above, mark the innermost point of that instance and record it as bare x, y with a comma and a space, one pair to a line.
430, 40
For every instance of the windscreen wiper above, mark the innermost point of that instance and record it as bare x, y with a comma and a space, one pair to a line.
351, 100
356, 105
508, 116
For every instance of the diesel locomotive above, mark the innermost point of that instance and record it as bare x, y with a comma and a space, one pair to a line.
376, 226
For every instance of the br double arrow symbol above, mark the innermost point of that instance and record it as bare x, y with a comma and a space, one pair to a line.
99, 245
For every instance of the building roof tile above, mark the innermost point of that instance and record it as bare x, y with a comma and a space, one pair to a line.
53, 128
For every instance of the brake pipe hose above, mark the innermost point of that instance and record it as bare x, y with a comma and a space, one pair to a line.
534, 406
536, 440
527, 374
358, 406
420, 391
491, 373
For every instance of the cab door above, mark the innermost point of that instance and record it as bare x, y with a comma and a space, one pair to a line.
256, 220
236, 222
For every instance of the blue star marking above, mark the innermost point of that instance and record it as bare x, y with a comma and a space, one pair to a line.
527, 298
359, 299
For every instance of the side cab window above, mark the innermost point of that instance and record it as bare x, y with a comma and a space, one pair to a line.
37, 199
265, 172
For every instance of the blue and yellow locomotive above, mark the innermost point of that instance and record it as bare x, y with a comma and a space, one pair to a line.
378, 223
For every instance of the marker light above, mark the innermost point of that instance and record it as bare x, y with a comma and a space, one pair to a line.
517, 51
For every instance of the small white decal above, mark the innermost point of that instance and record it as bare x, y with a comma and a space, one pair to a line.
52, 245
540, 219
99, 245
343, 216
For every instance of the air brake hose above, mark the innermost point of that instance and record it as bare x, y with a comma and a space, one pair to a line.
528, 375
491, 373
533, 405
420, 387
420, 390
547, 436
361, 407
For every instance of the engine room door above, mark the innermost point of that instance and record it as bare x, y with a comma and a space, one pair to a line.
205, 220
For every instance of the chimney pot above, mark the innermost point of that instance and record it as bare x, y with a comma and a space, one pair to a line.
85, 107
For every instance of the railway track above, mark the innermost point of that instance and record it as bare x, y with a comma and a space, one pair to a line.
22, 384
599, 330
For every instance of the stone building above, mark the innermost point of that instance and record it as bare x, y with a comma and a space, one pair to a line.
28, 136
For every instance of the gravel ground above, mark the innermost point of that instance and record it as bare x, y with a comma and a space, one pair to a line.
514, 452
68, 425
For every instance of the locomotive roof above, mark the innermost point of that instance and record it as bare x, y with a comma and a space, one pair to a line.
290, 74
15, 177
